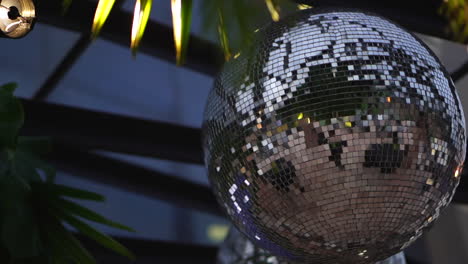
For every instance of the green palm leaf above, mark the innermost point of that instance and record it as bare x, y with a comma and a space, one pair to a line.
223, 37
64, 245
78, 210
102, 12
181, 21
140, 20
94, 234
66, 5
11, 117
62, 190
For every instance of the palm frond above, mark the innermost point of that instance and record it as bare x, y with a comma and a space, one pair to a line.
181, 21
102, 12
274, 9
140, 20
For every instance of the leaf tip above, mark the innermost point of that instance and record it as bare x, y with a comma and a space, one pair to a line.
9, 87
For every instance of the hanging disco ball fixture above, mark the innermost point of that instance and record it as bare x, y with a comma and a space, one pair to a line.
337, 138
17, 18
237, 249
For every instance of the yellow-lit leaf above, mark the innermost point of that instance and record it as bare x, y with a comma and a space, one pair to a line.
65, 5
274, 10
303, 6
223, 38
102, 12
140, 20
181, 20
465, 33
460, 17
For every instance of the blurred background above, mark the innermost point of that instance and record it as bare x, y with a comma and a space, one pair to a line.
106, 78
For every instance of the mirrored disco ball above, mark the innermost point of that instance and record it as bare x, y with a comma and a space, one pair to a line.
237, 249
337, 138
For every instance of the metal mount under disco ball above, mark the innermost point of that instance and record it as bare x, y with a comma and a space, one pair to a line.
337, 138
237, 249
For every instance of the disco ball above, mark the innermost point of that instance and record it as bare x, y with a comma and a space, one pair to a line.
338, 137
237, 249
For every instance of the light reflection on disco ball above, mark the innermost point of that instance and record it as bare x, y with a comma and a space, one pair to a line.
338, 138
237, 249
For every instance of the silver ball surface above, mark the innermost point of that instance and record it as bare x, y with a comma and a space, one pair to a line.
237, 249
337, 138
